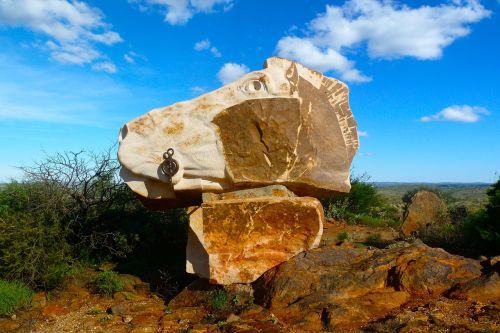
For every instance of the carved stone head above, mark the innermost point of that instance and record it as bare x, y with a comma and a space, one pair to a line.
285, 124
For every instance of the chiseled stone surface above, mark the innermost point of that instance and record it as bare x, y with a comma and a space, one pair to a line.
285, 124
237, 240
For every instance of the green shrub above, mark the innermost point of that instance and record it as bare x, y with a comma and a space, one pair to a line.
13, 296
337, 208
219, 299
458, 212
362, 201
363, 197
343, 236
377, 221
483, 226
237, 300
33, 246
107, 283
444, 235
489, 226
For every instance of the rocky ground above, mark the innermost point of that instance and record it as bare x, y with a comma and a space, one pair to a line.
368, 281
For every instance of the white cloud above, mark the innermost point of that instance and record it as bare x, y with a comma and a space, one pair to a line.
197, 90
231, 72
74, 53
215, 52
128, 58
304, 50
72, 28
362, 133
131, 57
202, 45
459, 113
104, 66
205, 44
387, 29
179, 12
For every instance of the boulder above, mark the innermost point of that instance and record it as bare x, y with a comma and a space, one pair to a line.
337, 287
425, 209
285, 124
237, 240
483, 289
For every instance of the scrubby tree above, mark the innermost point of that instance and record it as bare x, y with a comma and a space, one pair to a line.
486, 222
57, 212
73, 208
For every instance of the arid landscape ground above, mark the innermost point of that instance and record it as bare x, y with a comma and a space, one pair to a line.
362, 278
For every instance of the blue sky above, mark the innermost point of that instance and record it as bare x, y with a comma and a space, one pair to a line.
424, 75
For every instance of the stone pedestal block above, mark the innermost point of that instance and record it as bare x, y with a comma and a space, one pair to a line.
237, 240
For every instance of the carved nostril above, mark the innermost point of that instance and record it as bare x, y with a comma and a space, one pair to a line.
123, 132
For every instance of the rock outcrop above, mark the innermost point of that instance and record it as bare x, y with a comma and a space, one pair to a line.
405, 287
237, 240
425, 209
285, 124
338, 286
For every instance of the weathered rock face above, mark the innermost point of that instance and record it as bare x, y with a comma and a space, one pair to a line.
334, 288
484, 289
237, 240
285, 124
426, 208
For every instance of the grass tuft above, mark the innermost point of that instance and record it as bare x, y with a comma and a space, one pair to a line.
219, 299
14, 295
107, 283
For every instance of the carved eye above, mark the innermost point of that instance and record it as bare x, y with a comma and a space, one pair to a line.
255, 86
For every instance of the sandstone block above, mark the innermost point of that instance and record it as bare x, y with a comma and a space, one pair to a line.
237, 240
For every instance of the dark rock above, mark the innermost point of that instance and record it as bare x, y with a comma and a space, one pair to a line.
118, 309
195, 294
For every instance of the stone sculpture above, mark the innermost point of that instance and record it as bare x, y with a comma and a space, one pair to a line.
284, 125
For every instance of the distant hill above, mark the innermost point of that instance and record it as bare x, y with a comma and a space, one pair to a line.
474, 193
433, 185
